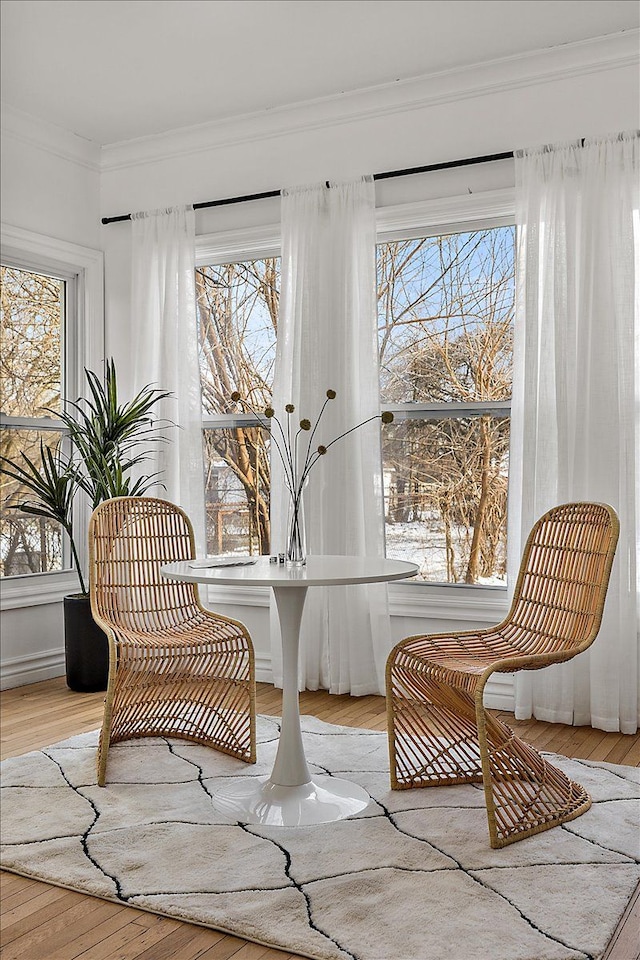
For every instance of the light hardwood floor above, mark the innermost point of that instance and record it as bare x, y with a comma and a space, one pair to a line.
41, 922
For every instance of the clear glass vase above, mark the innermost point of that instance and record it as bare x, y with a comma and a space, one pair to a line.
296, 534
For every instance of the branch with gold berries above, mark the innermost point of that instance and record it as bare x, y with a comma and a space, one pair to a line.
286, 439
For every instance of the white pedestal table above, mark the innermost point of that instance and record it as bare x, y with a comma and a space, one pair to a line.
290, 796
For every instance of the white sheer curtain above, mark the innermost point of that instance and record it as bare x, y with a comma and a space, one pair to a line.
165, 344
327, 339
576, 395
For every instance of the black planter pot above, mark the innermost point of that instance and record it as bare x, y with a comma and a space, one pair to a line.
86, 647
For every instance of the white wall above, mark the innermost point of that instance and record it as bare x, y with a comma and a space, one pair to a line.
577, 90
50, 181
557, 94
50, 187
32, 644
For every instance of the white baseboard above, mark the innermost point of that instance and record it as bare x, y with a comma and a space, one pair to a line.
264, 673
18, 671
499, 693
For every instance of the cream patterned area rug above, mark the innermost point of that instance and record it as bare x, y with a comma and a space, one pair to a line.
411, 878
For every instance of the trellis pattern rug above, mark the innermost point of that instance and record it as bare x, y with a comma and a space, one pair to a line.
411, 878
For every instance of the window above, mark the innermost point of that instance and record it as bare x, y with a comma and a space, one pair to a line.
238, 316
32, 378
445, 320
445, 316
71, 277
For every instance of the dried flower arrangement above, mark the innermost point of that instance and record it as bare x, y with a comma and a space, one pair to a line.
298, 459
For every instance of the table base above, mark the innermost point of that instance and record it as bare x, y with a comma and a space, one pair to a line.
321, 800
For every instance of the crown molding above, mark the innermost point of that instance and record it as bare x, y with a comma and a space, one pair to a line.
49, 138
508, 73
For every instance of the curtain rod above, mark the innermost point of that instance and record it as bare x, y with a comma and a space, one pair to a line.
389, 175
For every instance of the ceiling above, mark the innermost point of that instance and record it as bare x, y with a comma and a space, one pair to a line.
114, 70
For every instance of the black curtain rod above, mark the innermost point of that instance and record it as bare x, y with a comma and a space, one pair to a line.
409, 171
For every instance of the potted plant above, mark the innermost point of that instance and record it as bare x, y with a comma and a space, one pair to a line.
107, 438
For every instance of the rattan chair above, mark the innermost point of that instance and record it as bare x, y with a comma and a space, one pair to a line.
175, 669
439, 730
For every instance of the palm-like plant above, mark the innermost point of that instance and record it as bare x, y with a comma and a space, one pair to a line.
106, 437
53, 485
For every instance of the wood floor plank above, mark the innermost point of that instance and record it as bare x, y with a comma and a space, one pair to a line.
574, 743
632, 756
588, 744
145, 937
111, 946
619, 749
11, 886
78, 921
198, 943
224, 949
14, 914
625, 942
102, 924
40, 916
254, 951
166, 948
18, 896
35, 923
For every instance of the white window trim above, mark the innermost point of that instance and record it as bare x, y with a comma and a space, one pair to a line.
494, 208
86, 265
245, 243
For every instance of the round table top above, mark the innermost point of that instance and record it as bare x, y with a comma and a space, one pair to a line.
318, 571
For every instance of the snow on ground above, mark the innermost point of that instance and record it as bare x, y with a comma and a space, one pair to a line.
423, 542
420, 541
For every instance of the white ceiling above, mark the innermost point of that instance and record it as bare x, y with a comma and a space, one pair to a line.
114, 70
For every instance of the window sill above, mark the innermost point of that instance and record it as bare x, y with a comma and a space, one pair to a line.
448, 602
37, 588
437, 602
433, 602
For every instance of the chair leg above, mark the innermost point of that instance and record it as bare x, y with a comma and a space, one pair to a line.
432, 732
525, 794
184, 702
441, 734
218, 715
105, 731
103, 744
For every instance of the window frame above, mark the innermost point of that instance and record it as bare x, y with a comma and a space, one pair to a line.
430, 218
67, 386
455, 214
82, 268
234, 246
